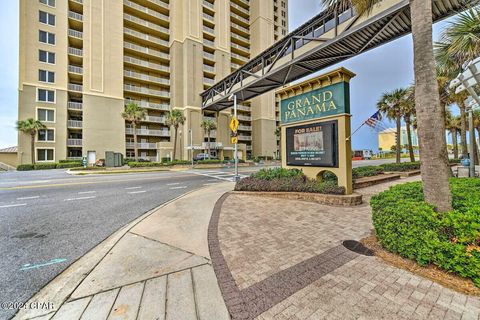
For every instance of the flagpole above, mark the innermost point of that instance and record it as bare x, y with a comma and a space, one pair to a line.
356, 131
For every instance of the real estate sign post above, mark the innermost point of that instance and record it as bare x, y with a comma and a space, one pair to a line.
315, 126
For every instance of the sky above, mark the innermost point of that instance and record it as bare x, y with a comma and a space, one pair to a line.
380, 70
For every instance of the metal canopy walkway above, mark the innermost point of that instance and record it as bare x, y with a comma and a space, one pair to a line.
325, 40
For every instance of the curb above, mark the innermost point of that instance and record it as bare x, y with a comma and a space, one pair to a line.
60, 288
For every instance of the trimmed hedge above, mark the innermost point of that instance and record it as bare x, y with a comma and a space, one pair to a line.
145, 164
65, 165
286, 180
25, 167
368, 171
79, 162
401, 167
405, 224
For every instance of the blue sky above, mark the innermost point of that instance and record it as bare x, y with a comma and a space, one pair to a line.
379, 70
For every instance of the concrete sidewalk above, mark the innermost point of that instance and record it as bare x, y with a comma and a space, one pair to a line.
158, 268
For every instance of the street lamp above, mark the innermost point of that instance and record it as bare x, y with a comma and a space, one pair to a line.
234, 98
467, 80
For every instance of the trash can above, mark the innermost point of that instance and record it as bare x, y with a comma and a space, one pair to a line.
109, 159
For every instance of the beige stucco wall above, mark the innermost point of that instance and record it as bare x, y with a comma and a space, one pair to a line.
9, 158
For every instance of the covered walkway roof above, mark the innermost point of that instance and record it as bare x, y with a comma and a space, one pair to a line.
325, 40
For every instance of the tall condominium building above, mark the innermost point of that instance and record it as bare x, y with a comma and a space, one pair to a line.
81, 61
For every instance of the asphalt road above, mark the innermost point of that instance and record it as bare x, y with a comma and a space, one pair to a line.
49, 219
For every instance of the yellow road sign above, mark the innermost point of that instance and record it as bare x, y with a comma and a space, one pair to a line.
234, 124
234, 140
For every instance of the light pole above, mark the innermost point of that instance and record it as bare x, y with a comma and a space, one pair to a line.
467, 81
234, 97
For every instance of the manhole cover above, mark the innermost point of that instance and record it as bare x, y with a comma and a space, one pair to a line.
357, 247
29, 235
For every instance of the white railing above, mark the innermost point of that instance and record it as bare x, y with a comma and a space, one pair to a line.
75, 105
236, 66
209, 56
208, 29
149, 51
249, 148
74, 15
245, 128
149, 105
243, 107
244, 138
141, 145
144, 90
208, 17
213, 134
155, 119
75, 87
74, 142
208, 4
75, 51
208, 80
145, 36
239, 37
239, 27
79, 2
210, 118
244, 118
145, 23
213, 145
160, 3
240, 8
146, 77
75, 69
146, 10
209, 42
75, 33
147, 64
208, 68
239, 57
240, 47
75, 123
238, 17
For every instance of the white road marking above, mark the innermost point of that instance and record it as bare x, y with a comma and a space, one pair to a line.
209, 184
133, 188
87, 192
28, 198
136, 192
173, 184
80, 198
13, 205
175, 188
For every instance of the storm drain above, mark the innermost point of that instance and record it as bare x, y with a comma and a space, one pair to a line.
357, 247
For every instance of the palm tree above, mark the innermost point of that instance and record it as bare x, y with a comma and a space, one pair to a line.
134, 114
452, 124
208, 125
390, 105
408, 112
175, 118
431, 123
460, 42
31, 127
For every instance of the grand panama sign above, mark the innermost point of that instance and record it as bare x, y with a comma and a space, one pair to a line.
330, 100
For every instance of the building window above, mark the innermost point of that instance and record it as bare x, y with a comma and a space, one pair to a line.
46, 37
46, 135
47, 57
46, 115
45, 155
45, 95
50, 3
47, 18
46, 76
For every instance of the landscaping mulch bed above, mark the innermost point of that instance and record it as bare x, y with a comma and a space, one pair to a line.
430, 272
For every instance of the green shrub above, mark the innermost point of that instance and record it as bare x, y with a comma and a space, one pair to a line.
405, 224
145, 164
298, 183
402, 167
45, 166
25, 167
275, 173
179, 162
64, 165
368, 171
209, 161
70, 161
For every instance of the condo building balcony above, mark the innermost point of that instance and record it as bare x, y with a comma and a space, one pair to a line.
209, 56
243, 49
207, 118
160, 3
240, 39
243, 107
244, 118
155, 119
75, 69
209, 43
149, 132
239, 9
244, 138
240, 19
213, 134
78, 106
239, 28
147, 91
145, 24
145, 37
75, 124
245, 128
149, 105
209, 30
208, 17
74, 142
147, 11
75, 52
75, 87
146, 50
75, 16
208, 81
208, 5
239, 57
75, 33
145, 77
146, 64
142, 145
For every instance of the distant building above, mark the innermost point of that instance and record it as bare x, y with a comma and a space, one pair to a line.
387, 138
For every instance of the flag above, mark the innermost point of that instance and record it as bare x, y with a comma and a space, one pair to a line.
373, 121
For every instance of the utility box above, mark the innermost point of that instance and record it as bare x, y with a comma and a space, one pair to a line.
118, 159
109, 159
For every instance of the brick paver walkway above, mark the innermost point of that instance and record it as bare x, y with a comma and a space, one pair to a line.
285, 260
